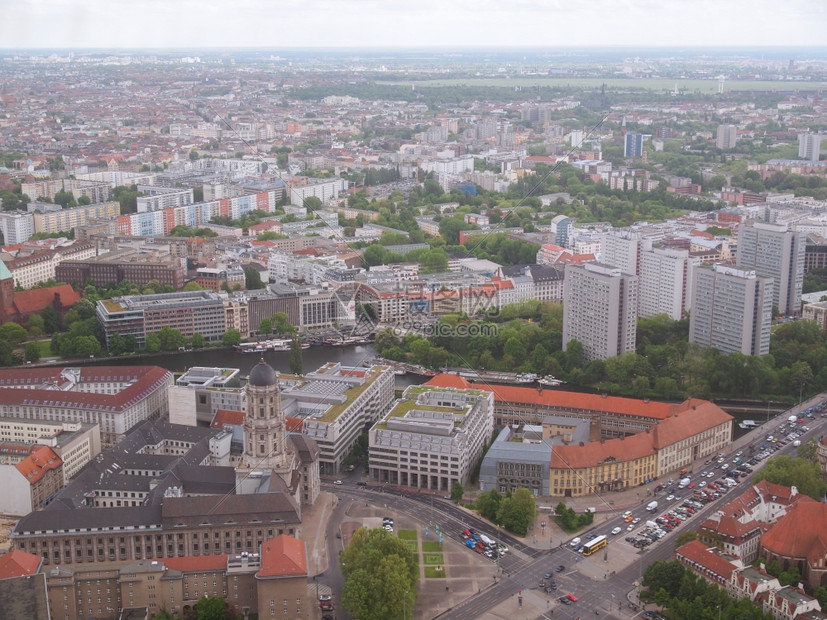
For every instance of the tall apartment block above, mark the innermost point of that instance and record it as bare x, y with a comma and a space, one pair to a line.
665, 282
809, 146
731, 310
621, 249
727, 137
633, 145
777, 253
600, 310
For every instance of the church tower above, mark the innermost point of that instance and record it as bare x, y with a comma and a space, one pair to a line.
265, 436
286, 461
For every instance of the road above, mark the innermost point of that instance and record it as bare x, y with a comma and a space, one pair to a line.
598, 592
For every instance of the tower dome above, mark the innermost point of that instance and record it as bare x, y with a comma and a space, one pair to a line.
262, 375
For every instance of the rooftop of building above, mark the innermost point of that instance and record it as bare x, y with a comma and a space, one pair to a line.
283, 556
561, 400
801, 532
55, 387
698, 553
329, 391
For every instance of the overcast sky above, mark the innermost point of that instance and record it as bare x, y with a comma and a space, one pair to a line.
412, 23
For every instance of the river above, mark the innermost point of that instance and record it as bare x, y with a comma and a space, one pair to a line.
312, 358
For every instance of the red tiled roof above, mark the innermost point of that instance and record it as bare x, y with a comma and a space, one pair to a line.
687, 419
564, 400
34, 466
697, 552
730, 527
283, 556
36, 300
146, 378
195, 563
575, 456
798, 532
18, 563
293, 425
224, 417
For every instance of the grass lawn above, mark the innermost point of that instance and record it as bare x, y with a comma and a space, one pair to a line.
432, 572
434, 558
45, 348
413, 546
407, 534
431, 545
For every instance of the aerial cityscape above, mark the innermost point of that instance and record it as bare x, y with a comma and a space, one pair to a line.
383, 320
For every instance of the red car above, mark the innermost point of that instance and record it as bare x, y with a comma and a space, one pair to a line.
571, 597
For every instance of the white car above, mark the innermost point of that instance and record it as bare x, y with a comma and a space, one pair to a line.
575, 542
337, 482
702, 483
669, 498
636, 520
617, 530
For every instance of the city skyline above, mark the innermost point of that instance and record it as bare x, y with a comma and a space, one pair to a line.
85, 24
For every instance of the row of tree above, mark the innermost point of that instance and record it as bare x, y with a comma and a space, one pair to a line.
682, 595
528, 337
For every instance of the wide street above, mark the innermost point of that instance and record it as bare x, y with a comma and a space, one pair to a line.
604, 583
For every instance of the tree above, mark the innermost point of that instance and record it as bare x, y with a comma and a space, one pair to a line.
685, 537
800, 473
312, 203
193, 286
198, 341
265, 327
51, 322
171, 339
380, 576
281, 323
252, 279
36, 325
231, 338
13, 333
65, 199
213, 608
153, 343
808, 450
517, 511
32, 351
296, 362
665, 575
488, 504
457, 491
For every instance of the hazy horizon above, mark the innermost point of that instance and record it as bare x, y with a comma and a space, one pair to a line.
336, 24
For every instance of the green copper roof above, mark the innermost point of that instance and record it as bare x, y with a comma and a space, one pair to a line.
4, 271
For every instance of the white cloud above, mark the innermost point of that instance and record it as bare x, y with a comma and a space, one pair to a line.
419, 23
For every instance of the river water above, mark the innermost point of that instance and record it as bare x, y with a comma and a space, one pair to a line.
312, 358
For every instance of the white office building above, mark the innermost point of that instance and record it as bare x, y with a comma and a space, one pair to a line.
809, 146
775, 252
431, 438
600, 309
665, 282
16, 226
731, 310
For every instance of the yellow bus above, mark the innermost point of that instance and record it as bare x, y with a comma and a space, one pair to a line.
595, 544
